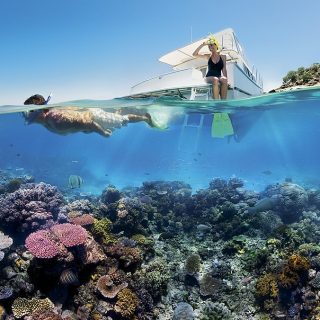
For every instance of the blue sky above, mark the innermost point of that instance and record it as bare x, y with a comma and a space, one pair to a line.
98, 49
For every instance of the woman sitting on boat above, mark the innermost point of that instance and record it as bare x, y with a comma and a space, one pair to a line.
216, 65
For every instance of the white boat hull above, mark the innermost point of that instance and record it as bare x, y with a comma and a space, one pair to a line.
191, 84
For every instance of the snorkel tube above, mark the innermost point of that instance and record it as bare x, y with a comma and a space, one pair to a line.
49, 98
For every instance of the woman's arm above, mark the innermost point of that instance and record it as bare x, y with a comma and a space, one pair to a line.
196, 52
224, 70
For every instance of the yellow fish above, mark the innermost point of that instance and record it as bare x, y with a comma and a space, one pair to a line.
75, 181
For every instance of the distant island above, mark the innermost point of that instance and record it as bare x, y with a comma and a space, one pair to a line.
301, 78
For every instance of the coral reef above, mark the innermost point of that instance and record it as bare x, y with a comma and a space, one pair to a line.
30, 207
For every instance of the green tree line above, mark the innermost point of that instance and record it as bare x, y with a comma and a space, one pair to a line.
303, 74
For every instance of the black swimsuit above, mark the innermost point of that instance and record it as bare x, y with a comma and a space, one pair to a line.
214, 69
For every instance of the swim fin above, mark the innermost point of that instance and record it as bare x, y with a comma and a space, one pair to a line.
221, 125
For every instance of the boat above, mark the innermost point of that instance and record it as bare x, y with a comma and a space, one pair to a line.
187, 79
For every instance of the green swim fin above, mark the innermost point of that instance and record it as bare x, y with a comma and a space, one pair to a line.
221, 125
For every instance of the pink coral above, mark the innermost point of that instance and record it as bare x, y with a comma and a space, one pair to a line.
83, 220
41, 245
69, 234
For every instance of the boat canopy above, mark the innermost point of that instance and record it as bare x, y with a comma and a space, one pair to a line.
182, 57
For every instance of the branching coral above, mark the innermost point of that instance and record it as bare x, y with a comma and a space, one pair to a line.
288, 278
127, 303
298, 263
102, 228
266, 286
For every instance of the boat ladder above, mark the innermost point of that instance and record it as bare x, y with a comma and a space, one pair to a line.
190, 131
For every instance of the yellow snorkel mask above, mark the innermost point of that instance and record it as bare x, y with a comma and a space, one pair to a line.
213, 40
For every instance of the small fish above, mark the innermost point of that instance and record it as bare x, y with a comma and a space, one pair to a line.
74, 161
147, 173
106, 175
19, 169
195, 159
267, 172
75, 181
69, 278
162, 192
203, 228
18, 154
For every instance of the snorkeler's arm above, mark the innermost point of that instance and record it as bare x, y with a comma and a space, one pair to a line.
224, 70
196, 52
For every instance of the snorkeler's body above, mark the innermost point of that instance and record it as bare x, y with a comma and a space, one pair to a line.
65, 120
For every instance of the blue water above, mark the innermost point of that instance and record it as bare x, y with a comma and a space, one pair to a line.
276, 138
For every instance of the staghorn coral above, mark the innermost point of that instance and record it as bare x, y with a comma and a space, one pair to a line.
107, 288
22, 306
31, 206
192, 264
127, 303
266, 286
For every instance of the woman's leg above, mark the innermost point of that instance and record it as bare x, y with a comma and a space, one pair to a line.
215, 86
223, 87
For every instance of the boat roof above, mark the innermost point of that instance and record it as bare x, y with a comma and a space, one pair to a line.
226, 39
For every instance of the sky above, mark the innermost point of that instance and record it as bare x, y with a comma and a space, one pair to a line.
98, 49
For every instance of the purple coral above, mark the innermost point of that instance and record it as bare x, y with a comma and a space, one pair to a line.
69, 234
31, 206
41, 245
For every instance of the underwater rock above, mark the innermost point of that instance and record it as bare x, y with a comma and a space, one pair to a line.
5, 292
8, 272
264, 204
91, 252
183, 311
